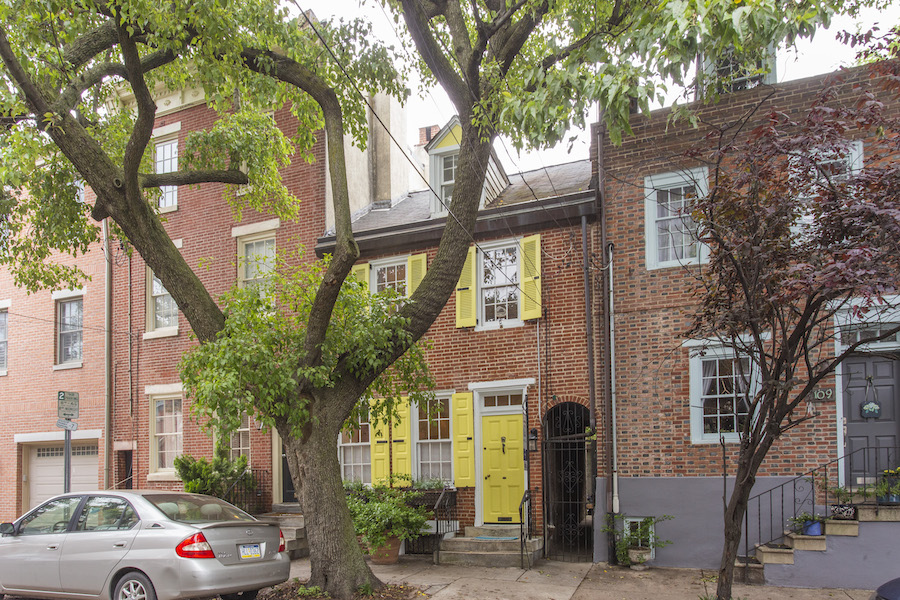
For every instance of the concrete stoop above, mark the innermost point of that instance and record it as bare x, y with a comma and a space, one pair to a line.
293, 526
784, 554
490, 546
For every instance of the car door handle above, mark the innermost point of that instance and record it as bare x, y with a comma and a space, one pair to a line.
53, 547
119, 545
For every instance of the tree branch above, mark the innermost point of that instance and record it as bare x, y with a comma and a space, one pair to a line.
178, 178
146, 113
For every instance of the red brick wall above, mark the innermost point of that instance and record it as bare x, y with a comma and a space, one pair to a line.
653, 309
203, 222
28, 403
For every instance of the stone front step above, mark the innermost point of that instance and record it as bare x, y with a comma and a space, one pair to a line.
874, 512
293, 526
768, 555
477, 545
487, 559
797, 541
493, 530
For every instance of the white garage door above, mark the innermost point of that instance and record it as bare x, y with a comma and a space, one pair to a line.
45, 470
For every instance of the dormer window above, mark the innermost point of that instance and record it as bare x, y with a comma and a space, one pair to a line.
448, 172
731, 72
443, 161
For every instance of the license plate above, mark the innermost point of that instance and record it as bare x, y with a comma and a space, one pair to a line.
250, 551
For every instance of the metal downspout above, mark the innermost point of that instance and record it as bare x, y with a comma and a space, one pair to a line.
107, 358
608, 358
589, 334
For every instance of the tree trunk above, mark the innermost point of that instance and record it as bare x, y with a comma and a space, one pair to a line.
337, 563
749, 461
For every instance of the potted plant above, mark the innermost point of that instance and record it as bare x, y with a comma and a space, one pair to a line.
430, 490
807, 524
383, 517
843, 507
887, 490
636, 539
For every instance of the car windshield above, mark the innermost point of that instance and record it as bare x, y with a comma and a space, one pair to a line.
196, 508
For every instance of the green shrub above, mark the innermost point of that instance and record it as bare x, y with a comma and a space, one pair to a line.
381, 512
216, 477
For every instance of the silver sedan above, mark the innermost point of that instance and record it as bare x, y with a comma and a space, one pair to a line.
140, 545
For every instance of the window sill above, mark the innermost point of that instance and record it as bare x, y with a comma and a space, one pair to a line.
163, 332
504, 324
709, 441
66, 366
163, 476
168, 209
2, 372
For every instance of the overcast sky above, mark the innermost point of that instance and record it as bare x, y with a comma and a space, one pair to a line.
823, 54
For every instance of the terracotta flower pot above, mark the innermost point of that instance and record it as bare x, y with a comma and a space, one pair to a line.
389, 554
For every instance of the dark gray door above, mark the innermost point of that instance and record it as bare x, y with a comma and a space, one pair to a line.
867, 380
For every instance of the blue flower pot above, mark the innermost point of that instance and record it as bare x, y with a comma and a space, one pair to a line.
812, 528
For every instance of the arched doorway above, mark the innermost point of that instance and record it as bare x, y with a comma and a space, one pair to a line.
568, 452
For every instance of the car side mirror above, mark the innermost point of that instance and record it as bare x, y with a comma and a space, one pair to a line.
7, 529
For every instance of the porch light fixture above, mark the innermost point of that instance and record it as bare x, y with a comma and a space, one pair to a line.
532, 440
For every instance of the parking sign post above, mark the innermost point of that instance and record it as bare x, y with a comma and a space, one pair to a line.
66, 410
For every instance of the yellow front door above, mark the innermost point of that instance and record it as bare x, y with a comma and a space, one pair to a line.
503, 467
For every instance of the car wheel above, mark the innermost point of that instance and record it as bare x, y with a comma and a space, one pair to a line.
248, 595
134, 586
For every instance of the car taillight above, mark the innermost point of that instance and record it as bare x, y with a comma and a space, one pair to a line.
281, 544
195, 546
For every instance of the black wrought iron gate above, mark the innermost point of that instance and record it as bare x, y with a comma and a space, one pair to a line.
568, 461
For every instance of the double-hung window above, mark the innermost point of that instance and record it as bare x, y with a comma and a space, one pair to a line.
448, 176
167, 432
722, 386
500, 284
162, 312
670, 230
354, 452
391, 275
4, 339
256, 255
69, 331
434, 453
240, 439
166, 161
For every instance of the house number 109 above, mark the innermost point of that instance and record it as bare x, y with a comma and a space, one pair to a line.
822, 395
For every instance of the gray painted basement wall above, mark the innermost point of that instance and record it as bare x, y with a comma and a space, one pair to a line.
695, 502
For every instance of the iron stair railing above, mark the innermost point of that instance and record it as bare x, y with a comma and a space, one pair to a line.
526, 531
813, 492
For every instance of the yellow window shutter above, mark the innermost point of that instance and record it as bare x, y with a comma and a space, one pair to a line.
380, 451
400, 440
465, 293
361, 272
415, 271
463, 414
530, 276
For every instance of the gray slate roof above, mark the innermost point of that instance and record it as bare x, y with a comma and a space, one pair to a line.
546, 183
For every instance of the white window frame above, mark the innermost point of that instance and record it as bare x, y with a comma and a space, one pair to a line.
699, 178
156, 472
168, 198
483, 324
446, 399
385, 263
436, 177
4, 340
58, 362
628, 522
699, 354
341, 445
240, 449
242, 243
152, 331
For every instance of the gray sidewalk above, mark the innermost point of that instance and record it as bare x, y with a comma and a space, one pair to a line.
549, 580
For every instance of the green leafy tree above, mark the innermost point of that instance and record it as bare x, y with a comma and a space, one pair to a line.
527, 68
